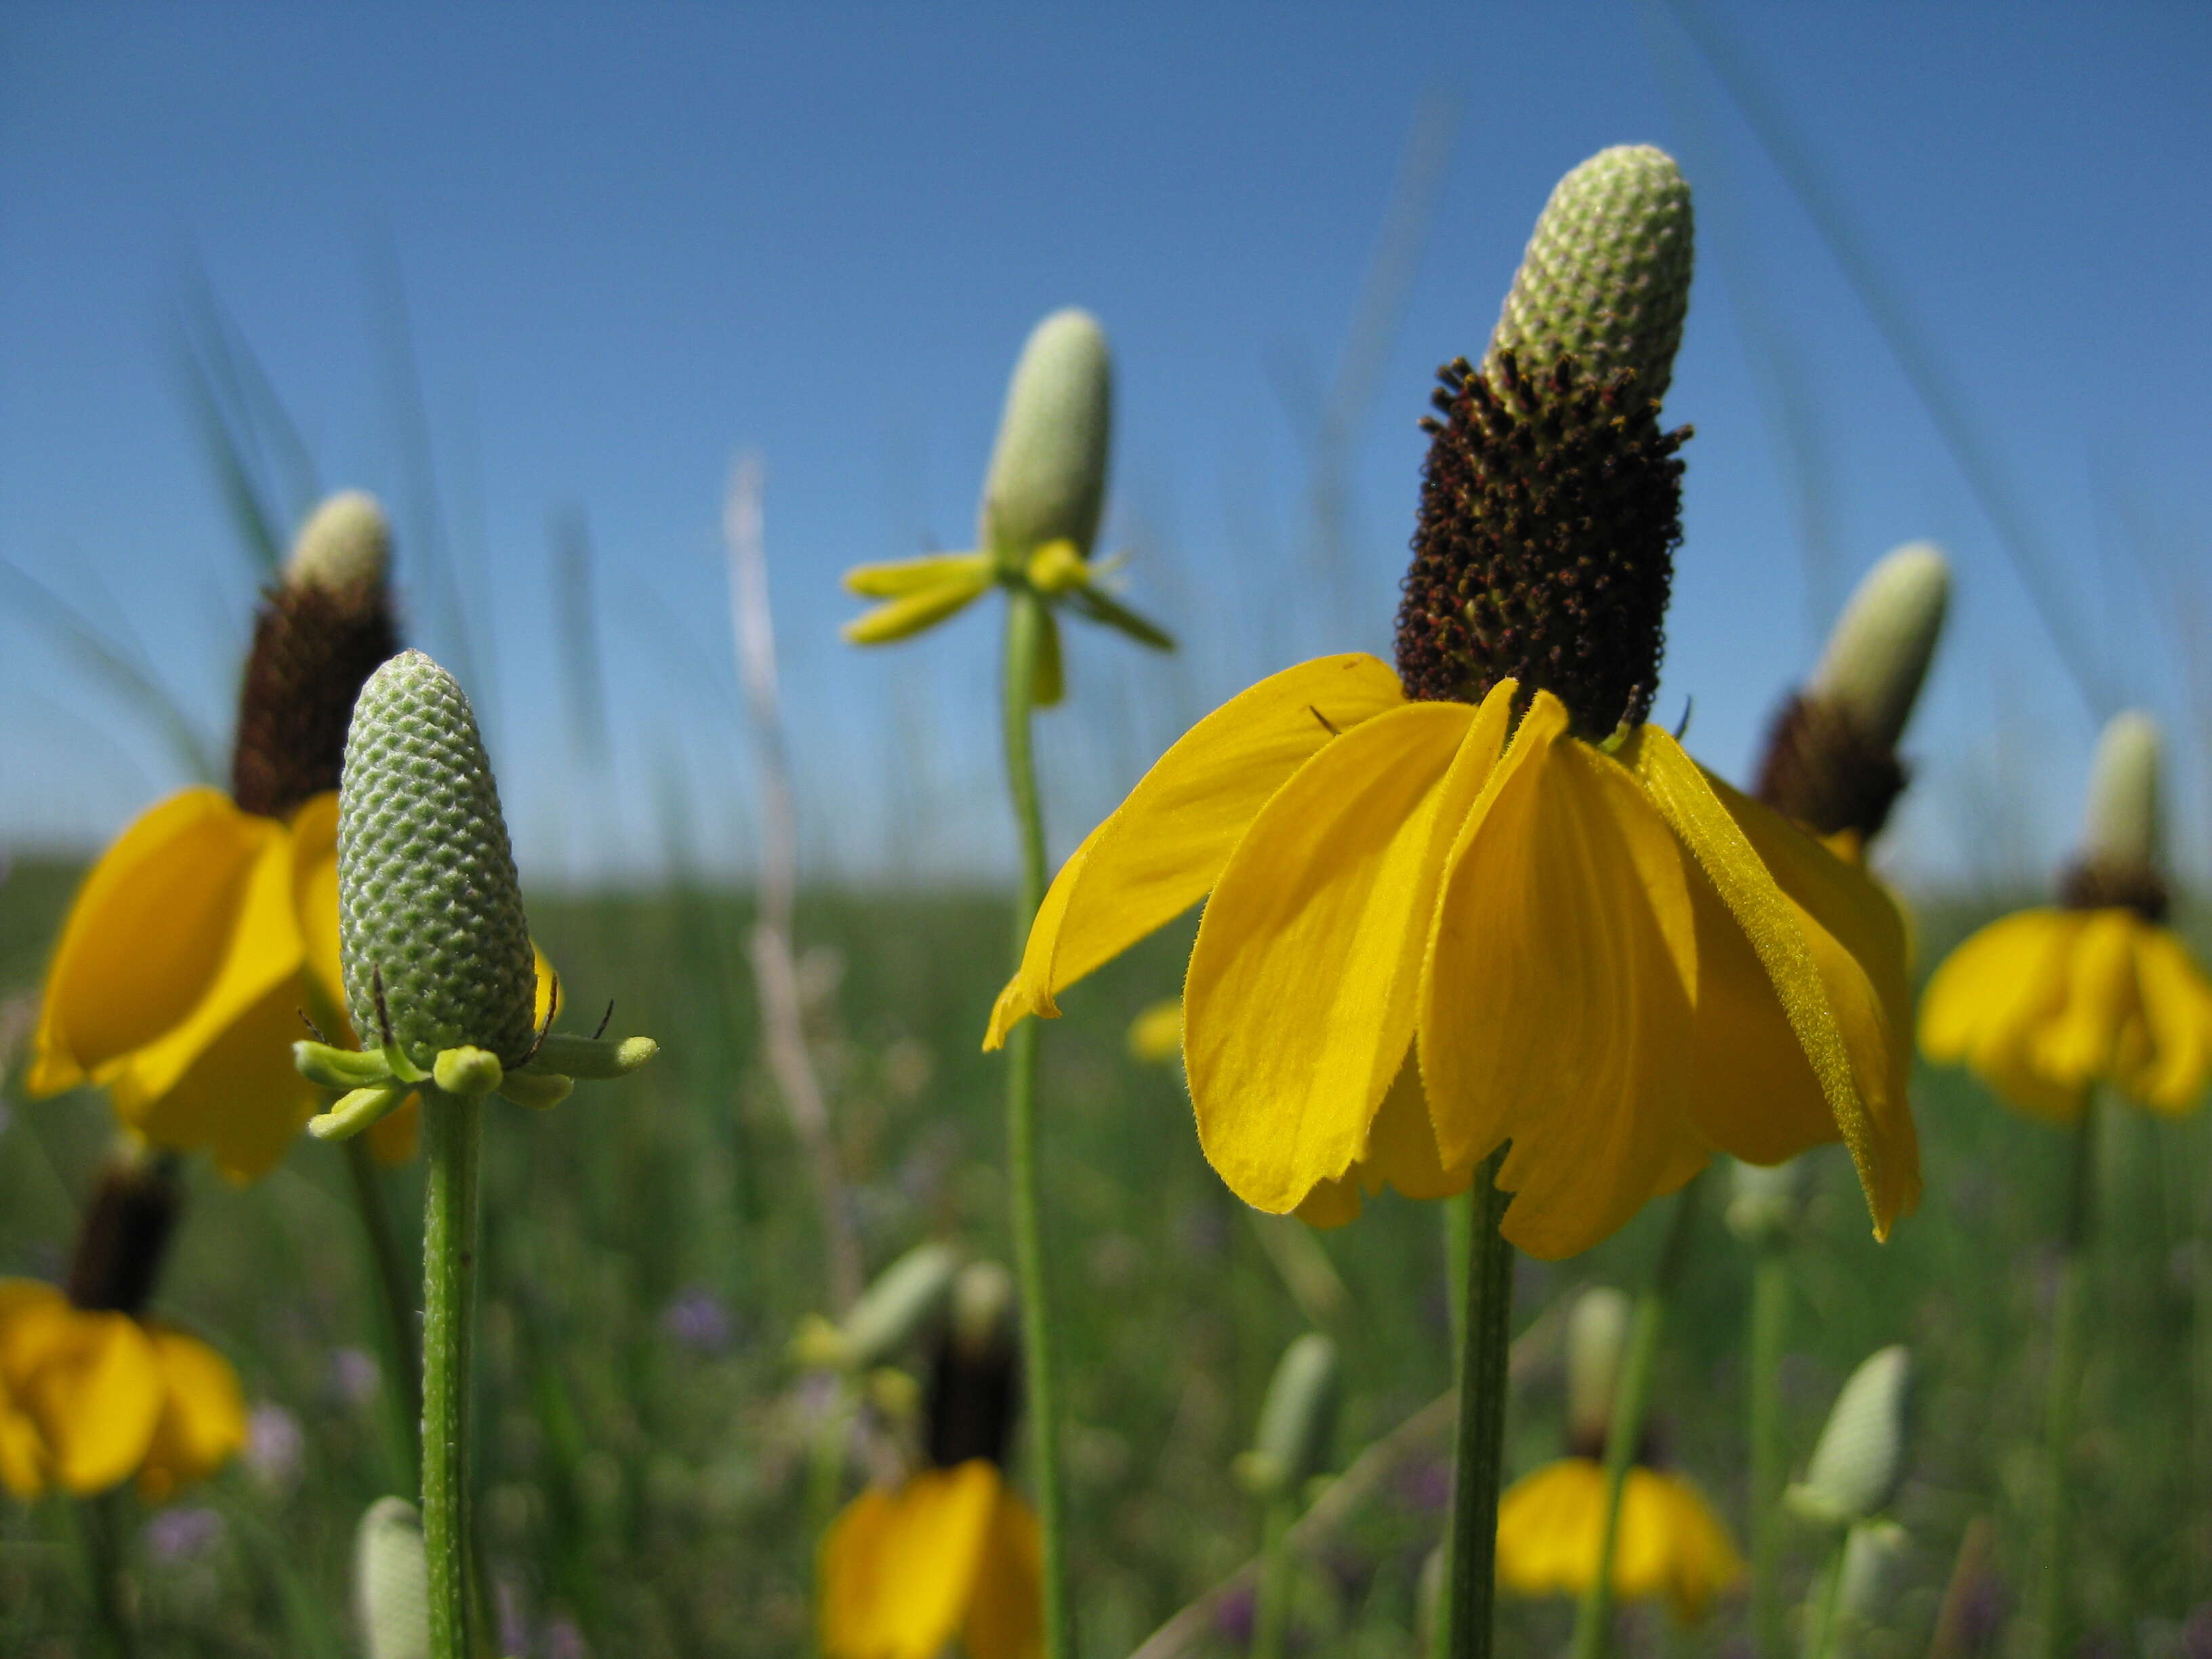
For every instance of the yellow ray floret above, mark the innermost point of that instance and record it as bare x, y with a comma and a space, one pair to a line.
1433, 930
2044, 1004
951, 1551
1671, 1545
88, 1400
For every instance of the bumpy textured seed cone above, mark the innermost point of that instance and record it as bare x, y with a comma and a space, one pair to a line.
2122, 861
319, 634
1860, 1457
125, 1237
391, 1582
426, 888
1606, 274
1048, 476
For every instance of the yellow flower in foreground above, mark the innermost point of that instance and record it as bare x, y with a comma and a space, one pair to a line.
1549, 1527
1430, 931
2046, 1004
952, 1552
87, 1399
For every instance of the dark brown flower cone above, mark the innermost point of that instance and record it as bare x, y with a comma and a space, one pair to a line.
125, 1235
313, 646
1827, 771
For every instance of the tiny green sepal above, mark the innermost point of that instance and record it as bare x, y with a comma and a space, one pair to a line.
1102, 607
397, 1064
538, 1089
470, 1072
594, 1059
342, 1069
362, 1109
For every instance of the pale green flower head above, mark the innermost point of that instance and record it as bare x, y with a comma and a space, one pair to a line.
1878, 651
1047, 477
1859, 1460
912, 1295
2124, 824
1607, 273
1597, 1337
391, 1582
346, 541
1297, 1419
439, 975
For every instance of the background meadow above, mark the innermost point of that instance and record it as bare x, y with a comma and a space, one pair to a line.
537, 279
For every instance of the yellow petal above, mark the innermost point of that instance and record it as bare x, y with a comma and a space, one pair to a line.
148, 933
1401, 1152
1163, 847
897, 578
1548, 1526
897, 1569
1304, 981
1988, 1002
203, 1421
2084, 1043
22, 1448
1006, 1615
1672, 1544
1556, 1001
1832, 948
233, 1091
2177, 1003
315, 900
899, 618
90, 1381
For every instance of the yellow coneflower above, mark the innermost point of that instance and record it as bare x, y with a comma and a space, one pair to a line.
1477, 899
93, 1392
2047, 1003
951, 1550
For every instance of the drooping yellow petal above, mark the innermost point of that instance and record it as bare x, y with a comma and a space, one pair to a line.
1163, 849
1005, 1615
89, 1382
147, 935
895, 578
22, 1448
238, 1094
1401, 1152
2087, 1042
1556, 1000
1833, 949
1988, 1002
2176, 1002
1550, 1528
203, 1421
897, 1569
1305, 982
315, 902
910, 613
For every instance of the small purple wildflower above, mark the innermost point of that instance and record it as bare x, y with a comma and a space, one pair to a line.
698, 1321
178, 1536
355, 1376
275, 1447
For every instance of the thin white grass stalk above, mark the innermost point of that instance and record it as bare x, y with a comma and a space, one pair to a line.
775, 970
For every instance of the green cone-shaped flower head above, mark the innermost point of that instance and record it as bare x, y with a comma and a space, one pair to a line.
1879, 652
345, 540
2125, 823
1860, 1457
1606, 276
391, 1582
1597, 1337
1047, 477
427, 898
1297, 1419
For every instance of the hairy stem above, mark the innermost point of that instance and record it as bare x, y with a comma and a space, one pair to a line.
453, 1139
1471, 1578
2065, 1383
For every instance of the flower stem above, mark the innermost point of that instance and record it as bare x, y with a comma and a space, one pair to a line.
1025, 624
100, 1524
2065, 1383
1271, 1617
1632, 1400
453, 1138
1821, 1606
403, 1363
1770, 1329
1471, 1578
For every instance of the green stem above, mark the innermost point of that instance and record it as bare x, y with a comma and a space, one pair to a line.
1820, 1636
1459, 1253
2065, 1383
100, 1523
453, 1139
1632, 1400
388, 1270
1271, 1617
1025, 624
1471, 1575
1769, 1329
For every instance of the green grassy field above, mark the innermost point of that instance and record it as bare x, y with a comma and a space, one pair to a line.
651, 1246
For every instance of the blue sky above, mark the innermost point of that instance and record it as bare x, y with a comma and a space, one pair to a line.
620, 244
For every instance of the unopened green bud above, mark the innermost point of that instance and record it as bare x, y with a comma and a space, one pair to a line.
391, 1582
1860, 1457
434, 947
908, 1297
1873, 1565
1047, 477
346, 541
1298, 1421
1765, 1201
1879, 652
1597, 1336
985, 1308
1606, 274
2124, 827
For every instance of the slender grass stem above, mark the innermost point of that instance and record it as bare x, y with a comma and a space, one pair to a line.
1769, 1332
1471, 1578
453, 1140
389, 1279
1632, 1400
1025, 624
1271, 1617
1826, 1600
2052, 1609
